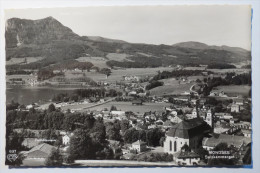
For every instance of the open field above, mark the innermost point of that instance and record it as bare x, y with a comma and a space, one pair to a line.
127, 106
171, 88
96, 61
28, 60
236, 70
235, 89
117, 56
116, 75
194, 68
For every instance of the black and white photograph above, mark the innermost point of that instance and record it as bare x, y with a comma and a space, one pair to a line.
128, 86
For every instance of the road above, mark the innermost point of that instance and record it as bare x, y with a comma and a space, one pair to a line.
192, 90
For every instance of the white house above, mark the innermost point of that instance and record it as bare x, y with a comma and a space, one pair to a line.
139, 146
65, 140
187, 158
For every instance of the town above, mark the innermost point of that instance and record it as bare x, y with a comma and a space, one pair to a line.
126, 123
159, 98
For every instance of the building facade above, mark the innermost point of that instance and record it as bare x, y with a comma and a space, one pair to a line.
190, 132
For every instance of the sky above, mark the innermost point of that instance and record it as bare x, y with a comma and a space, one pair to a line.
213, 24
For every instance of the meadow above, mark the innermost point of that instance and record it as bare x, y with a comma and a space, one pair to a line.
28, 60
235, 89
127, 106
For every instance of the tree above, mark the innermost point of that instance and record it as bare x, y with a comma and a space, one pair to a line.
124, 125
113, 108
162, 141
55, 158
81, 146
106, 71
51, 108
153, 137
112, 132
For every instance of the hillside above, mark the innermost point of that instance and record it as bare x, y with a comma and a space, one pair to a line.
47, 42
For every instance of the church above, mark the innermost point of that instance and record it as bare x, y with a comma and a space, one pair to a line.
190, 132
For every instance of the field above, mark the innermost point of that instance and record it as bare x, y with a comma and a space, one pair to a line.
236, 70
127, 106
116, 75
117, 56
28, 60
171, 86
235, 89
194, 68
96, 61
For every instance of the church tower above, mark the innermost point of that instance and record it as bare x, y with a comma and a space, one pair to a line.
209, 118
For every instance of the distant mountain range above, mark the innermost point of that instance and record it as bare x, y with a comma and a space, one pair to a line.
56, 43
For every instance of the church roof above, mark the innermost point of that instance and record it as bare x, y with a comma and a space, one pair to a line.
188, 128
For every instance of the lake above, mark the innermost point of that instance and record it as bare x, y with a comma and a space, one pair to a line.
33, 95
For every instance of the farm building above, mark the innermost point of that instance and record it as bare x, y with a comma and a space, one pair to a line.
137, 102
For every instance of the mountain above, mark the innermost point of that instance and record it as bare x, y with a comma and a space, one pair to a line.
55, 43
102, 39
198, 45
22, 31
191, 45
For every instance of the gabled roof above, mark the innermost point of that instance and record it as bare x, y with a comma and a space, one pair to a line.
168, 123
237, 141
137, 101
138, 142
30, 142
187, 154
188, 128
46, 148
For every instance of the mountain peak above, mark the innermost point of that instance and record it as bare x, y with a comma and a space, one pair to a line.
192, 45
42, 31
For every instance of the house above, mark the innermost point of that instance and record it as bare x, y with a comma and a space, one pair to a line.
223, 115
209, 143
167, 124
238, 101
30, 142
194, 114
132, 93
243, 125
187, 158
190, 132
137, 102
139, 146
183, 98
118, 113
246, 132
66, 139
235, 108
41, 151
